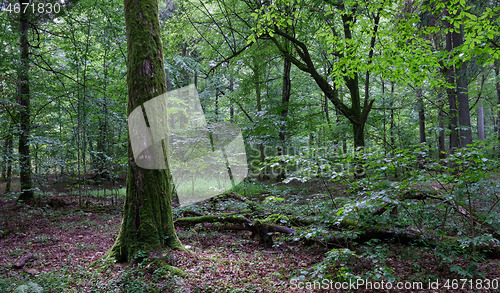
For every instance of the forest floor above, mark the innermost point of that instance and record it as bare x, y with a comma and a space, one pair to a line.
61, 241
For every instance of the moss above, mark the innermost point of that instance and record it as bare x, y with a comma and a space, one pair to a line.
147, 222
174, 270
226, 217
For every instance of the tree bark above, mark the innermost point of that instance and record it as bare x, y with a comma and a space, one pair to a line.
4, 162
285, 100
263, 175
391, 126
421, 116
497, 86
480, 120
24, 108
458, 94
7, 176
463, 105
441, 119
231, 107
147, 221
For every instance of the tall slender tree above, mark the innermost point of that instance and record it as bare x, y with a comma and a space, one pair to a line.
458, 93
497, 87
24, 106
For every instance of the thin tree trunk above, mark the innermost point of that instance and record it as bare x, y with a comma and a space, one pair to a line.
231, 107
480, 120
8, 163
169, 81
421, 116
497, 86
147, 221
175, 196
84, 110
452, 97
24, 108
391, 127
263, 175
441, 119
3, 168
463, 104
384, 119
285, 100
102, 144
458, 94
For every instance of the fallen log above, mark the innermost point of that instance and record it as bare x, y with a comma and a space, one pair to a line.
253, 206
258, 228
234, 218
23, 260
434, 194
405, 236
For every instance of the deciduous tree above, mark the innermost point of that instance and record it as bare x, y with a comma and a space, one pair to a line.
147, 221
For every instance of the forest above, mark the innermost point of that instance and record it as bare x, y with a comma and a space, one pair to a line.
250, 146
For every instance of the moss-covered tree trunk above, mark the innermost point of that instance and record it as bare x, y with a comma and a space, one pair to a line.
147, 221
24, 108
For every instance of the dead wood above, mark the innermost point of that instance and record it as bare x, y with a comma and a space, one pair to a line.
434, 194
405, 236
258, 228
21, 262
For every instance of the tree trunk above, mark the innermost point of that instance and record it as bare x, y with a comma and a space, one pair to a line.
458, 94
231, 107
441, 118
463, 104
391, 127
3, 171
147, 221
359, 134
285, 100
421, 116
452, 99
480, 120
24, 108
8, 163
102, 143
263, 175
497, 86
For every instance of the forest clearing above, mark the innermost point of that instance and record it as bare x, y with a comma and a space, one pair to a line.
250, 146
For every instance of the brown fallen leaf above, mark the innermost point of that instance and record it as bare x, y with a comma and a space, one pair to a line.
32, 271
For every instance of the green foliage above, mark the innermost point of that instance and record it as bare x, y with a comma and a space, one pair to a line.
29, 287
377, 254
335, 266
408, 188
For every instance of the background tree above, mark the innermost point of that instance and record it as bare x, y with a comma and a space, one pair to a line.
24, 107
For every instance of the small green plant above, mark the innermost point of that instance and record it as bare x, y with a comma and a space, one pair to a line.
29, 287
377, 255
333, 267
